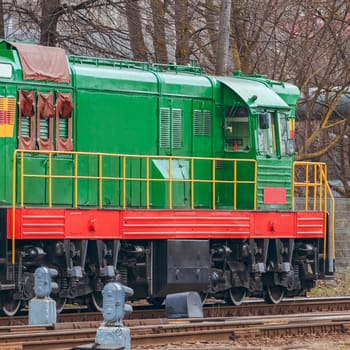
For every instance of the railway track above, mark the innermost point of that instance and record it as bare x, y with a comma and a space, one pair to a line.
69, 332
247, 308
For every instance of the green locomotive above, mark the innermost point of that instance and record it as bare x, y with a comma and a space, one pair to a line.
158, 176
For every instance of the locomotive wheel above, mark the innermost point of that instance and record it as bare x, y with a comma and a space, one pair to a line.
10, 306
236, 295
96, 301
157, 302
274, 294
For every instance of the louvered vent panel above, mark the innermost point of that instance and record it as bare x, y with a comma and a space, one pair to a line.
177, 128
63, 123
197, 122
25, 126
207, 122
44, 128
201, 123
164, 126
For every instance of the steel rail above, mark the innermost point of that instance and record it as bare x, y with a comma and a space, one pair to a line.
70, 335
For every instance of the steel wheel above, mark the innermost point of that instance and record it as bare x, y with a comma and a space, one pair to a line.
96, 301
10, 306
236, 295
274, 294
157, 302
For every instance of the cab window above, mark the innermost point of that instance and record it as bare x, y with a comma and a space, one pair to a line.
286, 134
266, 134
236, 129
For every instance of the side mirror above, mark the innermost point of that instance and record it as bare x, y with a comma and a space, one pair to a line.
290, 147
264, 121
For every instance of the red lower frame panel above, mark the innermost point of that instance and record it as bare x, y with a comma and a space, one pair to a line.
162, 224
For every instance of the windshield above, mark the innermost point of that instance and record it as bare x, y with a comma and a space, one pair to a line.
275, 134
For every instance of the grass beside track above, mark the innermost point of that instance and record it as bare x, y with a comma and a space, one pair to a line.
340, 286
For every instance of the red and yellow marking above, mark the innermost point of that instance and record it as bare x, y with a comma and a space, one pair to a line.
291, 123
7, 116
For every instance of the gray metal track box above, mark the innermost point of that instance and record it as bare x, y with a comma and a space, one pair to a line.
184, 305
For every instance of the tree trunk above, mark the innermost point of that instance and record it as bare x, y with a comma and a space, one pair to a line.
2, 23
223, 38
137, 43
158, 35
212, 22
182, 32
48, 23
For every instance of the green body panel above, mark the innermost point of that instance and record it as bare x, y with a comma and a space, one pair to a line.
274, 173
160, 111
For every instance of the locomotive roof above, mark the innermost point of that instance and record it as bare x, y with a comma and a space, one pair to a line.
254, 93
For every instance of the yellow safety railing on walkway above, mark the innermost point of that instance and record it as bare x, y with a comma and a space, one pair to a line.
310, 185
20, 174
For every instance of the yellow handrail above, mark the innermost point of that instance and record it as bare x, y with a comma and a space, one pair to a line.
123, 178
316, 181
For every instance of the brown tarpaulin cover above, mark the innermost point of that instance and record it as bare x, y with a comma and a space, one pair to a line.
45, 105
43, 62
26, 108
26, 100
64, 104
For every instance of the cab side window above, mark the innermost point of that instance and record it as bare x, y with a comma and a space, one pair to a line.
236, 129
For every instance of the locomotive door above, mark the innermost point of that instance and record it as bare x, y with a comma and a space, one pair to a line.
174, 141
202, 147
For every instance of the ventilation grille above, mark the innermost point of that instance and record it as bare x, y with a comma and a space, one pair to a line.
25, 127
201, 122
164, 125
177, 128
170, 126
63, 125
44, 128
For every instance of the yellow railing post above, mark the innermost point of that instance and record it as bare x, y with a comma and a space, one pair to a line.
14, 181
22, 179
255, 183
307, 187
170, 165
147, 183
235, 184
192, 183
100, 177
213, 183
124, 181
50, 178
76, 159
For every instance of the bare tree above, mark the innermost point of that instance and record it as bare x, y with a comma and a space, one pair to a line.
2, 24
159, 33
182, 32
136, 37
223, 38
50, 12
